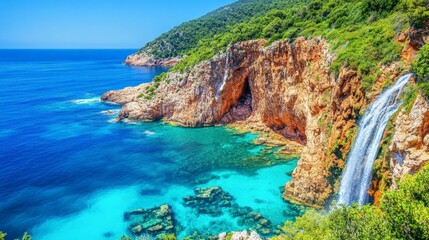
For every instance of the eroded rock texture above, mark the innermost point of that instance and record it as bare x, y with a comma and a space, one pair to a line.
410, 144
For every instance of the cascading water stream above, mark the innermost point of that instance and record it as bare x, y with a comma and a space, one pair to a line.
358, 172
225, 77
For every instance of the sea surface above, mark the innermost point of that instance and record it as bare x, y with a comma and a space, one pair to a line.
67, 171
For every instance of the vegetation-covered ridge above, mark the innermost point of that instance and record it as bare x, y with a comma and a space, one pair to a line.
361, 32
185, 37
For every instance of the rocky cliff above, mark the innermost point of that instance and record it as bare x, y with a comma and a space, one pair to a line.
285, 87
410, 143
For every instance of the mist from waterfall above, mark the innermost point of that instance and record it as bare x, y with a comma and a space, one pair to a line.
358, 172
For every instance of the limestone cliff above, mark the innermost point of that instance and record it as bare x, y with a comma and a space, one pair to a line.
287, 87
410, 144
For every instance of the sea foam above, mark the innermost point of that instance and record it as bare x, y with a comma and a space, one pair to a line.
86, 101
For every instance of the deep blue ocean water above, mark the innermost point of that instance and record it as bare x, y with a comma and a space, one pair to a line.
68, 172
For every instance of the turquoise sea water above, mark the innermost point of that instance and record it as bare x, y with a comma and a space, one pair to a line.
68, 172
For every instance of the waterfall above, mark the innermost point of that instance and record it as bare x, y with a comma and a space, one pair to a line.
225, 77
358, 172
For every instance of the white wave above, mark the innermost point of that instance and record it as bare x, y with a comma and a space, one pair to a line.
113, 120
111, 103
86, 101
130, 122
149, 133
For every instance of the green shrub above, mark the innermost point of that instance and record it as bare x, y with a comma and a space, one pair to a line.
417, 11
403, 214
407, 209
421, 66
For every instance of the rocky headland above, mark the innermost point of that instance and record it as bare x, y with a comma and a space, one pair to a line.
145, 60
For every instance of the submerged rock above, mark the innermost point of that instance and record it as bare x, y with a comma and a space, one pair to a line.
201, 236
209, 200
157, 222
214, 201
206, 179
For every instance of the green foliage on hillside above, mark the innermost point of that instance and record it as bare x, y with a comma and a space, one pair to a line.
181, 39
421, 65
151, 90
403, 214
417, 11
361, 32
421, 69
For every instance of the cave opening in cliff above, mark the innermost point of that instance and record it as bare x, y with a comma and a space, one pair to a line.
242, 109
246, 95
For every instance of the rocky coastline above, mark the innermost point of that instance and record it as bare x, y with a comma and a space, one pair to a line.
284, 90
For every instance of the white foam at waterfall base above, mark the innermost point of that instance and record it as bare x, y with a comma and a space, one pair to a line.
358, 172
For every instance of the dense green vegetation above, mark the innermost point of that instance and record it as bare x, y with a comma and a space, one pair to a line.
421, 69
402, 214
181, 39
421, 65
417, 11
361, 32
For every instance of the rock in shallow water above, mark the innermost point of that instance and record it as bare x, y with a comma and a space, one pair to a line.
157, 222
213, 200
209, 200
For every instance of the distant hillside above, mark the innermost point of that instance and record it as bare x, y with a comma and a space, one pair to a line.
179, 40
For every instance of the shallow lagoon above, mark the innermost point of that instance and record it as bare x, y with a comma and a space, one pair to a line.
68, 172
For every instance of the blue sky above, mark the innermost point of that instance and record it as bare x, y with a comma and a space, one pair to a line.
93, 23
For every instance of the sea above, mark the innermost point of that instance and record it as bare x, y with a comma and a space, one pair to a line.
69, 171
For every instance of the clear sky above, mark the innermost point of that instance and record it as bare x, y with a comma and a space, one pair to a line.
93, 23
